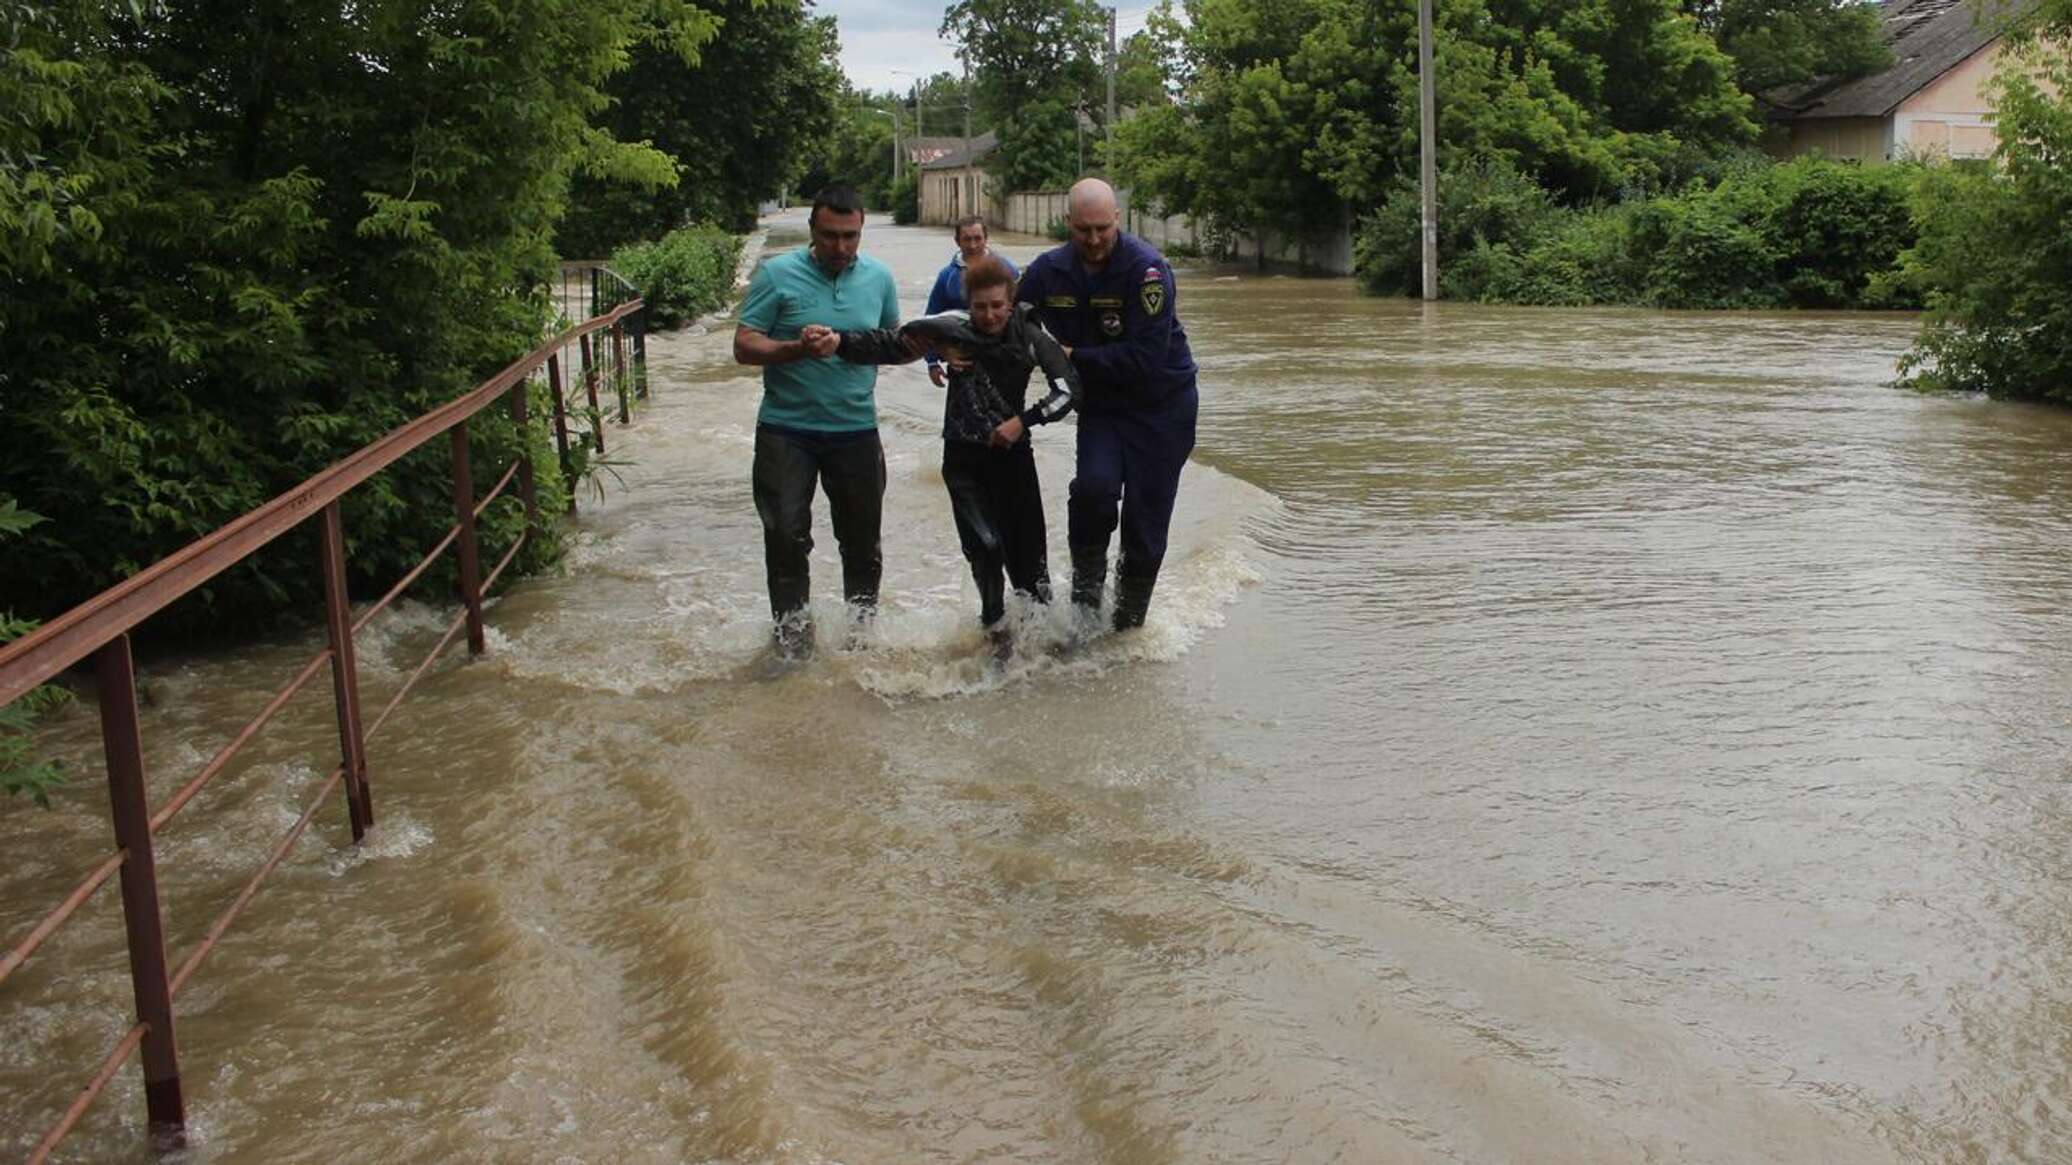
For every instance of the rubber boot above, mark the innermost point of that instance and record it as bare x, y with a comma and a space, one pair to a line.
792, 637
1132, 598
1089, 576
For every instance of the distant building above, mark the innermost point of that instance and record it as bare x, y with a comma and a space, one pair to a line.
921, 151
1930, 103
959, 182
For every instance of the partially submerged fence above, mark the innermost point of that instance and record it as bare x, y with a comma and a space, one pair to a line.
99, 630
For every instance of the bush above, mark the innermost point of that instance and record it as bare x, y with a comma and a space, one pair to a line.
682, 276
1808, 233
1483, 200
906, 199
1995, 249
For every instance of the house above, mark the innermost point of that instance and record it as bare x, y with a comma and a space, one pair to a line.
1931, 102
921, 151
959, 182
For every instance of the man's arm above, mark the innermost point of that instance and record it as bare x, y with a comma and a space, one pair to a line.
754, 347
760, 310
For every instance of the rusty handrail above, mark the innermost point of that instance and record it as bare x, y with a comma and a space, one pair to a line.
79, 632
100, 628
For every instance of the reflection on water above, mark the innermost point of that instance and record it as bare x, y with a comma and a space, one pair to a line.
1561, 736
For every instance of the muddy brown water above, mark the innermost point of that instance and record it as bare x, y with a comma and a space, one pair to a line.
1560, 736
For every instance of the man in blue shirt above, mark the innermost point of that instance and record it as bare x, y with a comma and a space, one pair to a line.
1109, 298
818, 423
948, 292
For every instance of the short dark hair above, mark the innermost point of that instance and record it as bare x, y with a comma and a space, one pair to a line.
988, 271
970, 220
840, 199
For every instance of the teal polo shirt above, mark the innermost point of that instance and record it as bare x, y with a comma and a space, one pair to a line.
826, 394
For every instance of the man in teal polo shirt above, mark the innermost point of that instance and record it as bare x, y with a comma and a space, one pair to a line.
819, 416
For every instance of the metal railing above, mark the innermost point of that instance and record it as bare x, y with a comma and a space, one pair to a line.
594, 286
99, 630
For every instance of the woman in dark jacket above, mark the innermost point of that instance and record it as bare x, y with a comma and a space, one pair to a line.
988, 464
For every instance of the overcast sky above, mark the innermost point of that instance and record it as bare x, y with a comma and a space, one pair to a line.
881, 36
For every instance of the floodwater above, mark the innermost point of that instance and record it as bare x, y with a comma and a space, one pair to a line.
1589, 736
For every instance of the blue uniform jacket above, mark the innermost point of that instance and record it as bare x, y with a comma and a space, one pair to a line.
1122, 323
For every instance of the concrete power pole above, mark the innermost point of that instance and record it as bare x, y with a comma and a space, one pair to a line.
1428, 148
970, 171
1108, 127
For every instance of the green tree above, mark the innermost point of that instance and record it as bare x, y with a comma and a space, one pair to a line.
20, 770
1035, 64
1779, 43
1994, 253
737, 118
1291, 111
243, 240
856, 150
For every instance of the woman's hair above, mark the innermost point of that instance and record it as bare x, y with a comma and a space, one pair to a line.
988, 271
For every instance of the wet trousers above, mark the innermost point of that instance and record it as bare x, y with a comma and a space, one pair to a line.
1128, 472
850, 467
998, 507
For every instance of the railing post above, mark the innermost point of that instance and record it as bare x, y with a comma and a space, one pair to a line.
123, 739
640, 380
345, 673
470, 553
526, 490
590, 386
561, 427
619, 376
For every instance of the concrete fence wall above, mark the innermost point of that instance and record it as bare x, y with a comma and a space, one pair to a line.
1032, 212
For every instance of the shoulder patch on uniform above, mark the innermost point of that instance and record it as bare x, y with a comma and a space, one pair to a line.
1153, 274
1153, 297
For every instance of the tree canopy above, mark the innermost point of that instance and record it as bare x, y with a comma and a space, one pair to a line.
241, 240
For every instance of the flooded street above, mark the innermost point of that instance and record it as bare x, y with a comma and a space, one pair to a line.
1559, 736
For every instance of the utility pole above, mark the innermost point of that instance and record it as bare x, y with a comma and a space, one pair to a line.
1428, 149
970, 169
1108, 127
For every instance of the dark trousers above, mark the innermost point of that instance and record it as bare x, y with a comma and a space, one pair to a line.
850, 467
1128, 469
998, 506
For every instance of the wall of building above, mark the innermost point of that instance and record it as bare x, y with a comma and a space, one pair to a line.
1863, 139
1033, 212
948, 195
1951, 117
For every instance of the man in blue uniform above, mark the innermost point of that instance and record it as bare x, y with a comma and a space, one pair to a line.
818, 423
1109, 298
948, 293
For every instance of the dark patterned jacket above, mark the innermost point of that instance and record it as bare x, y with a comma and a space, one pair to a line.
996, 386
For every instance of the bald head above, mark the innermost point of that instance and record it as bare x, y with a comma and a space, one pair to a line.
1091, 212
1090, 194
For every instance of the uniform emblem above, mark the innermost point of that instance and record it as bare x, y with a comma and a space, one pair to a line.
1153, 295
1111, 323
1060, 301
1151, 275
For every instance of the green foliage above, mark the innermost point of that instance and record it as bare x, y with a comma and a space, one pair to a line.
1994, 246
20, 770
240, 241
1779, 43
857, 150
1034, 64
905, 197
1808, 234
737, 120
1291, 109
682, 276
